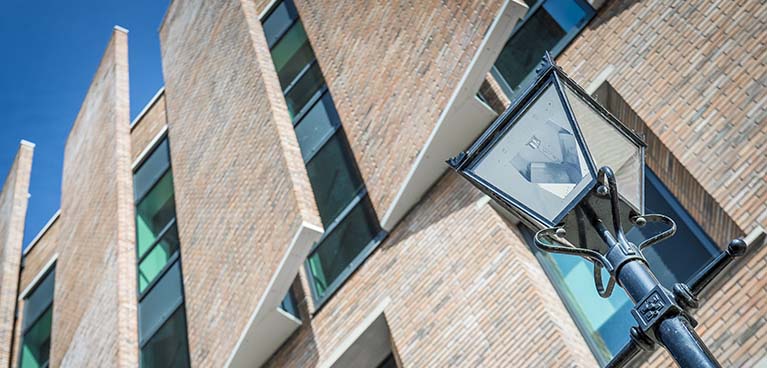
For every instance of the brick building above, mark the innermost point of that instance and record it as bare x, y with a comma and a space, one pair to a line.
283, 200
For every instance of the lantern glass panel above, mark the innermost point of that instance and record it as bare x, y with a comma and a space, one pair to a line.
610, 147
538, 161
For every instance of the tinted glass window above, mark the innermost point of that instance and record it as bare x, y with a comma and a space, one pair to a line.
39, 299
160, 302
316, 126
157, 258
278, 21
36, 345
168, 347
292, 55
334, 178
154, 212
337, 251
151, 170
306, 87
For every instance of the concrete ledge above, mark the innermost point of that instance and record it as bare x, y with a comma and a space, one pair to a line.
269, 326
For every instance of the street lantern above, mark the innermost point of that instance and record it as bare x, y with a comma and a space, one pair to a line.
555, 159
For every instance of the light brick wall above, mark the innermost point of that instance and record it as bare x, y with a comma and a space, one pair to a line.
94, 309
13, 212
241, 187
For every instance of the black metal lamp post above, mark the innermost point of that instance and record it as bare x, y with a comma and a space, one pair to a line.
555, 159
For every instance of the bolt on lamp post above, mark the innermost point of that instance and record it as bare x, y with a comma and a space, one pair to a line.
555, 159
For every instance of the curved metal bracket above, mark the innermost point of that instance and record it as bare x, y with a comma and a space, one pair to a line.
548, 240
660, 236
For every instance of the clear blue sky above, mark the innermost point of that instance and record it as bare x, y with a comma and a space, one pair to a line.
50, 51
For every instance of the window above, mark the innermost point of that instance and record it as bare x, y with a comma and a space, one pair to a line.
605, 323
351, 227
549, 25
36, 327
161, 313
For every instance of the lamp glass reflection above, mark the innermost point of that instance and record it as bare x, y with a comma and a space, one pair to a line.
610, 147
538, 161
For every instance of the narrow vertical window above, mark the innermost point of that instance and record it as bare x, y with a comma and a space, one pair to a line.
549, 25
351, 227
161, 313
36, 326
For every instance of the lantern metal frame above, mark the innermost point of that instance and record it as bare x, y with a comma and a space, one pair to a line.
548, 74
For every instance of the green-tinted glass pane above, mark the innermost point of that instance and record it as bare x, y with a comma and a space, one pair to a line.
154, 212
151, 170
36, 343
316, 126
277, 22
343, 245
334, 177
292, 54
39, 299
168, 347
306, 87
157, 258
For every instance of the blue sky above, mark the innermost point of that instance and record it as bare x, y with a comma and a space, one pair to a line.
51, 50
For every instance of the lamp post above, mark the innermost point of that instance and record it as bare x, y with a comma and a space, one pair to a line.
556, 159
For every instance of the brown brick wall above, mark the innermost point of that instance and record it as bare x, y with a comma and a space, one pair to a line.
147, 128
392, 67
13, 212
242, 190
465, 291
94, 310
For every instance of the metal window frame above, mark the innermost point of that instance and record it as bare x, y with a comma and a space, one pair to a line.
271, 11
175, 307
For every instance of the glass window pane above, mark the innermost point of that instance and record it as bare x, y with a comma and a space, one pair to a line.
683, 255
39, 299
545, 30
306, 87
341, 247
292, 54
289, 304
151, 170
154, 212
168, 348
278, 21
316, 126
157, 258
334, 177
161, 301
538, 159
36, 343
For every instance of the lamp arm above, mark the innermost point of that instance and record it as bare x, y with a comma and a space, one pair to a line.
660, 236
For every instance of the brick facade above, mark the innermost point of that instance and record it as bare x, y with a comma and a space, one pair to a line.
13, 211
455, 281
